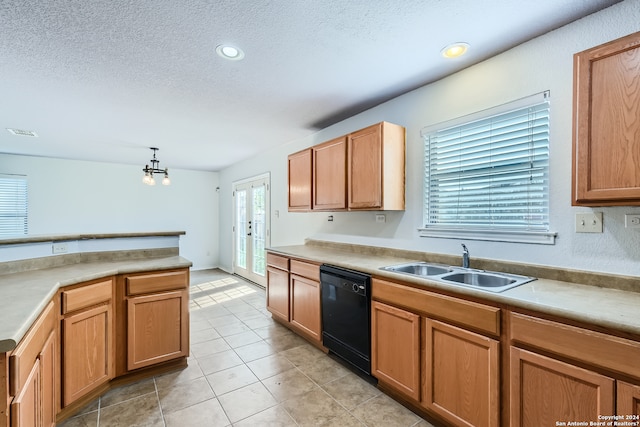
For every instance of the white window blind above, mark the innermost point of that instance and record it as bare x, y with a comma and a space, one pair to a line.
490, 173
13, 205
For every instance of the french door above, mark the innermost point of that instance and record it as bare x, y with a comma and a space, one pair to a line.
251, 228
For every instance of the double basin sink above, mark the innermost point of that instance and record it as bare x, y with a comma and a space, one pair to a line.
478, 279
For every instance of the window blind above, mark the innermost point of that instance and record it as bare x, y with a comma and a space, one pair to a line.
13, 205
490, 173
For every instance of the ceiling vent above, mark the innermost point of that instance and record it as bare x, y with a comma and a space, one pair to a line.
22, 132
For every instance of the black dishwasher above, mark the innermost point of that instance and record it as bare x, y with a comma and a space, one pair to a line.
346, 315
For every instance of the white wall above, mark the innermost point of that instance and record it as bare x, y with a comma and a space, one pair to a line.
545, 63
76, 197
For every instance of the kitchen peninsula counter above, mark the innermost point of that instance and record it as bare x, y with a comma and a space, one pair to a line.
24, 295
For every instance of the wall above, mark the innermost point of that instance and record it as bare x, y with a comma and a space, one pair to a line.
76, 197
545, 63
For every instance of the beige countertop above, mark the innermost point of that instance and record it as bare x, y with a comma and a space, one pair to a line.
605, 307
24, 295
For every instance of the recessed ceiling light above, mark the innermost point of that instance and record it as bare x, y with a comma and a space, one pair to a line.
22, 132
454, 50
229, 52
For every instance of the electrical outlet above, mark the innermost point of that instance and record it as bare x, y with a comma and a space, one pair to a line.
589, 222
632, 221
59, 248
380, 218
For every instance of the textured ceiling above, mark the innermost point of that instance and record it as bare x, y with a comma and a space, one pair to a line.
106, 79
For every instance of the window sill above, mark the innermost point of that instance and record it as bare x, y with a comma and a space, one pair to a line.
534, 237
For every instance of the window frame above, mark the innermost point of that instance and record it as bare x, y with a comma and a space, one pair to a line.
20, 210
488, 233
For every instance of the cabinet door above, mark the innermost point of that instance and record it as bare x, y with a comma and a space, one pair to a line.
364, 169
25, 408
87, 345
157, 328
545, 390
330, 175
48, 361
300, 181
628, 399
606, 126
461, 375
278, 293
395, 348
305, 305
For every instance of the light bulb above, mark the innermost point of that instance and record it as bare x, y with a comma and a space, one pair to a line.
166, 180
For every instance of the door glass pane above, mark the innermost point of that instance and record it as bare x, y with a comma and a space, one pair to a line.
259, 229
241, 227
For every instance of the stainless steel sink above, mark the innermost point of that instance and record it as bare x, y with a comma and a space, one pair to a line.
419, 269
478, 279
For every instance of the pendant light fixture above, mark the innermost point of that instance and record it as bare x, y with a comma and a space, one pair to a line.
149, 171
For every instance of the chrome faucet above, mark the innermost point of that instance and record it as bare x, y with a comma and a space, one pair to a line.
465, 256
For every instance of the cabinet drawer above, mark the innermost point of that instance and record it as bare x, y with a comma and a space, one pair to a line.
158, 282
476, 316
595, 348
305, 269
278, 261
86, 296
23, 357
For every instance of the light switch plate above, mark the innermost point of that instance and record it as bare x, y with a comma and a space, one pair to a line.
589, 222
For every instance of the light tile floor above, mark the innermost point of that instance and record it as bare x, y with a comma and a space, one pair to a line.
246, 370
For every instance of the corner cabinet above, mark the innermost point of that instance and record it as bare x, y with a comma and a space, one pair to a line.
606, 124
33, 374
364, 170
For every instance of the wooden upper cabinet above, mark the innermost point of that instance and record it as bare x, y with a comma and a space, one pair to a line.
300, 180
329, 175
606, 124
364, 170
376, 167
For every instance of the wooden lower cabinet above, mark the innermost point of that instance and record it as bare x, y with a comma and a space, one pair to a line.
628, 399
544, 391
87, 343
35, 404
33, 374
157, 328
305, 306
395, 348
48, 368
278, 293
25, 408
461, 375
